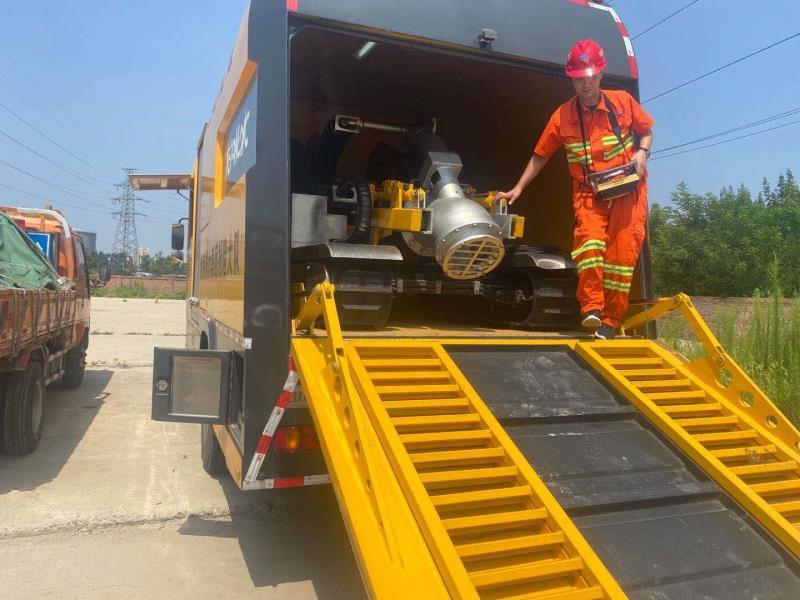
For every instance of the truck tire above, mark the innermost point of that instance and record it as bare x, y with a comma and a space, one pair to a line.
75, 365
23, 410
210, 451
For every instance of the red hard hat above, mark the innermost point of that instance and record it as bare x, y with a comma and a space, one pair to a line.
585, 59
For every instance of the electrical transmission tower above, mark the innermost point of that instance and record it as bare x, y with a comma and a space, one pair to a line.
125, 254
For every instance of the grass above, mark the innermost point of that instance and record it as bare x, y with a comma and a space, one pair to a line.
765, 343
135, 291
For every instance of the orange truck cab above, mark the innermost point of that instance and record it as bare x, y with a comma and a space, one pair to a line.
44, 332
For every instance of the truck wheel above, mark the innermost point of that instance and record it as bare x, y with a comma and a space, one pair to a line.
74, 366
23, 414
210, 451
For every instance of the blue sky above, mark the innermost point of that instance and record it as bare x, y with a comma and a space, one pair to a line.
129, 84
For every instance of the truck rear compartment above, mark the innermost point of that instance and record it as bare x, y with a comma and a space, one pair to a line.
487, 111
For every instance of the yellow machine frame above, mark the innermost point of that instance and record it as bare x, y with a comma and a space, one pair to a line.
398, 206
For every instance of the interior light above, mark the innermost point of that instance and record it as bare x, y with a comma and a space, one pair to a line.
364, 50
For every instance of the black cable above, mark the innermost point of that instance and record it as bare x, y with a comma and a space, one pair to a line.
52, 141
769, 119
62, 203
665, 19
741, 137
49, 200
55, 163
60, 188
718, 69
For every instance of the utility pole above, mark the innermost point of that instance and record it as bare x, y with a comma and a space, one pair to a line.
125, 240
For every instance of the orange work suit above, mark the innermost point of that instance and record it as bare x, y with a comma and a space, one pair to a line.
608, 235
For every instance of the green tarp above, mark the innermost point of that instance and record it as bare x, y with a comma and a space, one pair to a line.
21, 262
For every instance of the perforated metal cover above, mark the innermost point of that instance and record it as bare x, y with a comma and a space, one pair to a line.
473, 257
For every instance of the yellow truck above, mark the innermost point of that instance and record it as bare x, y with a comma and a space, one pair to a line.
361, 313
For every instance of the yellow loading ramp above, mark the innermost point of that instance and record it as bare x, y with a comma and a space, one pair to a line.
438, 500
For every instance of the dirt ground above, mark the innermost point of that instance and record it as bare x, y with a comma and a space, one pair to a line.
114, 505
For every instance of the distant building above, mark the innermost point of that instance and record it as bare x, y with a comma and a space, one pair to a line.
89, 241
141, 252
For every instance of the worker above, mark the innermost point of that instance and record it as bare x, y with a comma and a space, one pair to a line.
600, 130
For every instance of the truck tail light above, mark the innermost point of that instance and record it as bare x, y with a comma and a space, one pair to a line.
289, 440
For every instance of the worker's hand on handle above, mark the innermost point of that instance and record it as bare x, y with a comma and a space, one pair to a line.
511, 195
640, 160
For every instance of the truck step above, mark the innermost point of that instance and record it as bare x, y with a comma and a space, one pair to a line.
510, 546
632, 374
410, 376
544, 569
373, 364
705, 423
447, 457
419, 406
445, 438
457, 421
460, 500
495, 521
771, 488
661, 384
725, 437
468, 476
675, 397
415, 390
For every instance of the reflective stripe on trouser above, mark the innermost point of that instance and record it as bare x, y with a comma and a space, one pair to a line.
607, 245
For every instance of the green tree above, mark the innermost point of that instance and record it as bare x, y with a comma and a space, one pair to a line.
722, 245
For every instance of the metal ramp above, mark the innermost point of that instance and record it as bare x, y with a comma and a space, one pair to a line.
442, 500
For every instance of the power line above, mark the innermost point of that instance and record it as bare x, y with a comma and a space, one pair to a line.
665, 19
43, 199
13, 61
62, 203
52, 141
31, 99
718, 69
60, 188
769, 119
52, 162
741, 137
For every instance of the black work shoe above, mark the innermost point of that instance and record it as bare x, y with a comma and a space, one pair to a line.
605, 332
591, 320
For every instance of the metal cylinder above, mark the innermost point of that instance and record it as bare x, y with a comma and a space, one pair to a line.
464, 238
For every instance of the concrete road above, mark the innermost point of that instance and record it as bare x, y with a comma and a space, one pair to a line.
113, 505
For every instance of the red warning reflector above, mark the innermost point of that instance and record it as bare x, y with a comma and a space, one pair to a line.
295, 439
